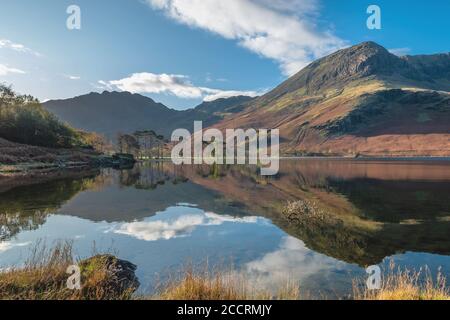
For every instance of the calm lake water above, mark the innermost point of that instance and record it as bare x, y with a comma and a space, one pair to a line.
162, 217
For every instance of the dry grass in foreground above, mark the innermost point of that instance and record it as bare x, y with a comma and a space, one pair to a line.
44, 277
207, 285
105, 277
406, 285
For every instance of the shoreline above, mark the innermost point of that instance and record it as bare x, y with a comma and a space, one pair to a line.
25, 169
37, 177
32, 168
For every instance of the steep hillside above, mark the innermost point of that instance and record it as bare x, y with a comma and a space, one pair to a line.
24, 120
361, 100
109, 113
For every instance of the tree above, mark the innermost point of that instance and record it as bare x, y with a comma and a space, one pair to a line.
128, 144
150, 144
97, 141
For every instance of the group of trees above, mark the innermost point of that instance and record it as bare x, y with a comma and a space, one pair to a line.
24, 120
142, 144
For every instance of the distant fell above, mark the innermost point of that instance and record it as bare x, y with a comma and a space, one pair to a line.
110, 113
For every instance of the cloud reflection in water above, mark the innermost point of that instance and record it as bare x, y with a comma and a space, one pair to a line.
178, 227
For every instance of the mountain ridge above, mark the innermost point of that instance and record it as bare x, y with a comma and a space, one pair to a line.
365, 60
110, 113
361, 100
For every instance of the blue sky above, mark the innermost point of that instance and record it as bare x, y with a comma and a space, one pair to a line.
180, 52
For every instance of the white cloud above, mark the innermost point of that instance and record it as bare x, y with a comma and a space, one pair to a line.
5, 246
177, 85
161, 230
400, 51
217, 219
102, 85
176, 228
209, 78
145, 82
71, 77
8, 44
5, 70
282, 30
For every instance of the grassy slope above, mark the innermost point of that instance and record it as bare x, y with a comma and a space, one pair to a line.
306, 124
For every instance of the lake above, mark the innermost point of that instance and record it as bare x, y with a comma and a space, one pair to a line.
163, 217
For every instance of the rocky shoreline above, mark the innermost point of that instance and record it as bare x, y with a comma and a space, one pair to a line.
25, 160
29, 169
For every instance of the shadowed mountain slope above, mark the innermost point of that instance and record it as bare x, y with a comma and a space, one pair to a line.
109, 113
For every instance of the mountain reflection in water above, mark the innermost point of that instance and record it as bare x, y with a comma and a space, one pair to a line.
159, 214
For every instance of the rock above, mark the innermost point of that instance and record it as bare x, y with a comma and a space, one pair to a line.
117, 277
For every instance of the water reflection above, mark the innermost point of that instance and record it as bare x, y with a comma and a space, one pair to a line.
293, 260
180, 226
27, 207
372, 209
159, 215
